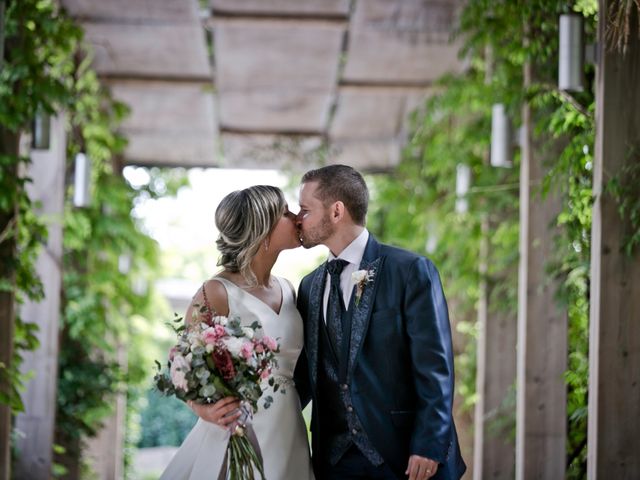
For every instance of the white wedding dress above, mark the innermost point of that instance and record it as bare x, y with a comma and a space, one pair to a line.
280, 429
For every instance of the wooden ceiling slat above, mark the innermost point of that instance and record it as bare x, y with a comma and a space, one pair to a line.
164, 51
134, 11
169, 123
320, 8
401, 41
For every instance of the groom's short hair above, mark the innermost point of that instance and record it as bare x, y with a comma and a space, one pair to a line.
341, 183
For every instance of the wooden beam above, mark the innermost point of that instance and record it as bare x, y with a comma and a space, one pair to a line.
9, 146
614, 336
542, 325
328, 9
494, 452
37, 422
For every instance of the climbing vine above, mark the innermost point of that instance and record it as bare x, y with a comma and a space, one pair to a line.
46, 69
453, 128
37, 45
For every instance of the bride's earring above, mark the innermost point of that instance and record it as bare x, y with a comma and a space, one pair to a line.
266, 245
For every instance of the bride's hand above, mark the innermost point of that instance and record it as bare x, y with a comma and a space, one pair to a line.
223, 413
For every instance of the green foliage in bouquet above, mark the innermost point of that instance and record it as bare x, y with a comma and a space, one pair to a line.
218, 357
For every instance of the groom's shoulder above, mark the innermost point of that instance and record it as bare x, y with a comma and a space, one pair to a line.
306, 280
399, 255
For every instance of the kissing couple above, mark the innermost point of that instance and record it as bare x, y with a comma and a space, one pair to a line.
366, 339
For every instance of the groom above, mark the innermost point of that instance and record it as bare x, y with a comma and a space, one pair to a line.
378, 360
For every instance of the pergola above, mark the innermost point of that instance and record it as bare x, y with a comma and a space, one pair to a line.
265, 83
274, 83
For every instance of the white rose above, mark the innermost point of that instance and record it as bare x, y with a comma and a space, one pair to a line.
179, 367
248, 332
220, 320
234, 345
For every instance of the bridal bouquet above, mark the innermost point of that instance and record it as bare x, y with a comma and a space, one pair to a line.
217, 357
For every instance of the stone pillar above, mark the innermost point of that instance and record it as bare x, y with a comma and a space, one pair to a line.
494, 451
542, 325
105, 452
36, 423
614, 336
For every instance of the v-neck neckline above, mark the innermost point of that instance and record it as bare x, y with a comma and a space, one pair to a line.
259, 300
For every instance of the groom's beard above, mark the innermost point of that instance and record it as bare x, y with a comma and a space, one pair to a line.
317, 235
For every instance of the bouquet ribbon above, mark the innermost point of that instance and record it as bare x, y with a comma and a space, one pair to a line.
242, 445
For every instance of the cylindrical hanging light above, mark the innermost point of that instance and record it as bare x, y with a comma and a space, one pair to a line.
571, 56
463, 181
500, 137
41, 131
124, 263
82, 181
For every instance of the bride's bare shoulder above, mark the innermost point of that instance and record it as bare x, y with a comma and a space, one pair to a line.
212, 295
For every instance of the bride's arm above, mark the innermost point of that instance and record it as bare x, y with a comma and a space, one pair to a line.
213, 296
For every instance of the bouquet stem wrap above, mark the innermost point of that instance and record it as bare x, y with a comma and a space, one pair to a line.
243, 457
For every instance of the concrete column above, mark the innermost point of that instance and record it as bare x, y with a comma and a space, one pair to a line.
494, 451
542, 325
614, 348
36, 423
105, 452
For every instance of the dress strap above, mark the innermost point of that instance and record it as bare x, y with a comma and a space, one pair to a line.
286, 285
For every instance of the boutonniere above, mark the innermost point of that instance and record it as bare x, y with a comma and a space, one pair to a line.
360, 278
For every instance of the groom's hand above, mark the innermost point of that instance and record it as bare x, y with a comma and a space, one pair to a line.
421, 468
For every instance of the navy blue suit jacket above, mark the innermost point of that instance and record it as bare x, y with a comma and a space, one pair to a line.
400, 366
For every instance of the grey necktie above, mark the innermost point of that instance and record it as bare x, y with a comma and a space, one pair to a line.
335, 305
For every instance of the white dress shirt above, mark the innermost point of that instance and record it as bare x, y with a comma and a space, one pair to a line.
352, 254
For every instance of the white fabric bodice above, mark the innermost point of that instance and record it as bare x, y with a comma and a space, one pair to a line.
280, 429
285, 326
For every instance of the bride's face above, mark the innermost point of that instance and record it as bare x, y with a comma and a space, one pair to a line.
285, 234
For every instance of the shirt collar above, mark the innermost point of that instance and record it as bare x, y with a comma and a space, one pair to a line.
354, 252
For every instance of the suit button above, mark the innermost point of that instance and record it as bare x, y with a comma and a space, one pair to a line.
354, 431
344, 386
349, 409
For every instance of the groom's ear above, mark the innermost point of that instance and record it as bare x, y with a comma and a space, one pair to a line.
337, 211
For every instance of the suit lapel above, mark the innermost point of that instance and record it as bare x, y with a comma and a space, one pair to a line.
372, 262
315, 317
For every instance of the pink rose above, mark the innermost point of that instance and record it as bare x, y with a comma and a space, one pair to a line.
259, 348
209, 335
247, 350
220, 331
269, 342
213, 334
265, 374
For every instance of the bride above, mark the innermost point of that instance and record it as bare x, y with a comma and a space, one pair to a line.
255, 225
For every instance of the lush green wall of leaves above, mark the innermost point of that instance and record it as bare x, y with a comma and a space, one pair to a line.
417, 203
46, 67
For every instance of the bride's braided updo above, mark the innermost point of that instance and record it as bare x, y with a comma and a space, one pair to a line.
245, 218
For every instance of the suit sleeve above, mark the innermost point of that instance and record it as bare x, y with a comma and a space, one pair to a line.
301, 372
429, 332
